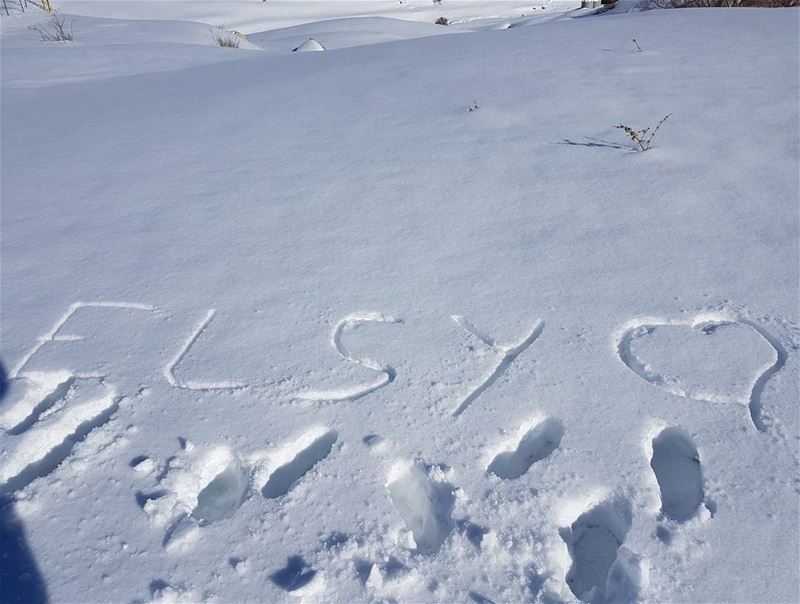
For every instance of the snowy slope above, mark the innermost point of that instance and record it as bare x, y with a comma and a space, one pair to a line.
347, 32
106, 49
253, 16
326, 335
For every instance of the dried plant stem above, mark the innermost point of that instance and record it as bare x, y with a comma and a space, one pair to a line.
54, 30
644, 137
224, 39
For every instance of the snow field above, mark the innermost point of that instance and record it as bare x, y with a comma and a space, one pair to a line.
301, 327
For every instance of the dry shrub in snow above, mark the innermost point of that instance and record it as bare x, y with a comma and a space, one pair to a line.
224, 39
441, 21
54, 29
642, 138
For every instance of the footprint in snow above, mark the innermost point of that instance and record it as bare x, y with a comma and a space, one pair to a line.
603, 570
297, 578
537, 442
43, 416
280, 469
425, 503
201, 486
197, 487
676, 465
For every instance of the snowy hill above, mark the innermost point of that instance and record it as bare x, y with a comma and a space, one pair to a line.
249, 16
408, 320
344, 33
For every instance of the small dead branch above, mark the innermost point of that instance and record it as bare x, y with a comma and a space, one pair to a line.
54, 30
644, 137
224, 39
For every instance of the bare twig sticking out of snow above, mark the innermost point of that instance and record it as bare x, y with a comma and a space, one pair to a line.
644, 137
54, 30
224, 39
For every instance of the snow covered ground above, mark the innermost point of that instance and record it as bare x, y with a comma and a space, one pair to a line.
303, 327
248, 16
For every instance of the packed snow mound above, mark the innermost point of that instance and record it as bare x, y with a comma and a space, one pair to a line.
310, 45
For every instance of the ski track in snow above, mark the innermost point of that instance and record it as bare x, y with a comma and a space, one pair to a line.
708, 321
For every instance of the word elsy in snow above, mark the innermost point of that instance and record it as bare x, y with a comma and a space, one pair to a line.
630, 340
504, 353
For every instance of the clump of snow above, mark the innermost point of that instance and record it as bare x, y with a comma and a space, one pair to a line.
310, 45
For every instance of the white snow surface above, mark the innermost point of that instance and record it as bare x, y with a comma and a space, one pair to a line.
310, 45
407, 320
254, 16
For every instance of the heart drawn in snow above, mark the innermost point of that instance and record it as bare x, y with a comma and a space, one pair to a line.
711, 357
